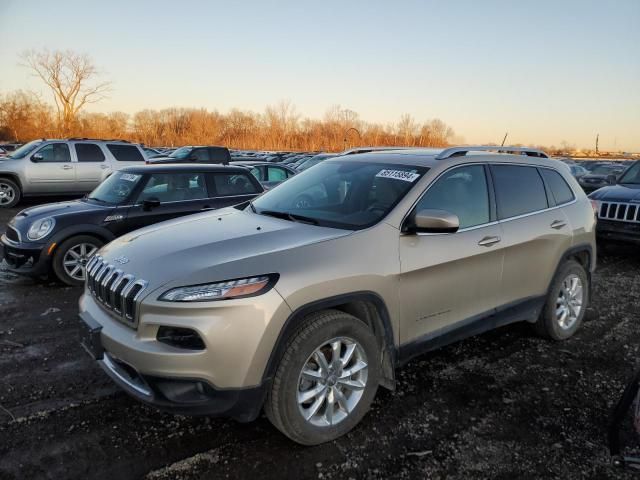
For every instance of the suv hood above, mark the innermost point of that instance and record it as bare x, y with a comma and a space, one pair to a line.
212, 246
618, 193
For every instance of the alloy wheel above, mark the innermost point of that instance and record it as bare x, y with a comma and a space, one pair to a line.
7, 193
569, 301
76, 258
332, 382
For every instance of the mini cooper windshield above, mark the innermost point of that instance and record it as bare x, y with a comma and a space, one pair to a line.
116, 189
342, 194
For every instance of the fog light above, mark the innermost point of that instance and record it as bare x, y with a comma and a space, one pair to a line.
180, 338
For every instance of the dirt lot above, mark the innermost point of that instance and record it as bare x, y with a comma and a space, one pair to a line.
503, 405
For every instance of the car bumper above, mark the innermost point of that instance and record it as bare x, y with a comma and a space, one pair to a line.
24, 259
623, 232
225, 378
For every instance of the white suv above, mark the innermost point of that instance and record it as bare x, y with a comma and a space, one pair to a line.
62, 167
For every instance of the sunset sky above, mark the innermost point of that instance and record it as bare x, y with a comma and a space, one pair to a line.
545, 71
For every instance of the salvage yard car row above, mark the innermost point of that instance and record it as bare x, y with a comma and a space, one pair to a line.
300, 288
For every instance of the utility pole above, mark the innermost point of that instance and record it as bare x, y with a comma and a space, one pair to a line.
504, 139
597, 140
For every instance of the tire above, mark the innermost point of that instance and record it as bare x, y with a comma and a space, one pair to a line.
282, 405
63, 254
550, 324
10, 193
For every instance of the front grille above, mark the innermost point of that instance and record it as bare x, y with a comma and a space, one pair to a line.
116, 291
619, 212
12, 234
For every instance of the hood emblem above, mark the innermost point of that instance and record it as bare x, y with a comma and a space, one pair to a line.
121, 260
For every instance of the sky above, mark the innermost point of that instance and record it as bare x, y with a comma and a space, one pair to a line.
545, 71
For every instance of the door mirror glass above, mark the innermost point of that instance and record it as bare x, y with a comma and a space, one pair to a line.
36, 157
435, 221
150, 204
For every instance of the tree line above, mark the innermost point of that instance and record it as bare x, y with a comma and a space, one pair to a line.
25, 116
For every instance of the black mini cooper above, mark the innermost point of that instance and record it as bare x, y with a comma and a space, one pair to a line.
62, 236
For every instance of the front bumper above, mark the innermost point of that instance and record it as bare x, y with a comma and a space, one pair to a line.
623, 232
226, 378
25, 259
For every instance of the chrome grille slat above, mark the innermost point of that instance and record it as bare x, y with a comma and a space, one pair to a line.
619, 212
114, 290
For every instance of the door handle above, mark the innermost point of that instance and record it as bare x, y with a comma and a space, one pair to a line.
558, 224
67, 167
488, 241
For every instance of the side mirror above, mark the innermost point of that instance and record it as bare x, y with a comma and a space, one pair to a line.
612, 179
435, 221
150, 204
36, 157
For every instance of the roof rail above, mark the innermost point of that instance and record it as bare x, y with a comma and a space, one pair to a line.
97, 139
460, 151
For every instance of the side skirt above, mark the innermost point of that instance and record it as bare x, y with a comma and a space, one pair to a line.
526, 310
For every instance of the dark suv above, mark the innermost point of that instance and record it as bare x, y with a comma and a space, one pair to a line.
198, 154
62, 236
619, 208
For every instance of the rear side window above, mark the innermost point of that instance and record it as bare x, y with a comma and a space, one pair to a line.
227, 184
275, 174
125, 153
89, 152
519, 190
561, 192
200, 154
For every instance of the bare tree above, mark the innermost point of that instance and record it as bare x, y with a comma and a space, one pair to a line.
71, 76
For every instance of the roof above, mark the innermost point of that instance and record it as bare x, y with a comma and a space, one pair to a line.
184, 167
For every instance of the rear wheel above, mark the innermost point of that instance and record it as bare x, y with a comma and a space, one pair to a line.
566, 304
326, 380
71, 257
10, 193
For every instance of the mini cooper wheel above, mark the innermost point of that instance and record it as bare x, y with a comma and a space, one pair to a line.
71, 257
9, 193
326, 380
566, 304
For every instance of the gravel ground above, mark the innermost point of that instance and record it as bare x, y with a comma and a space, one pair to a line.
502, 405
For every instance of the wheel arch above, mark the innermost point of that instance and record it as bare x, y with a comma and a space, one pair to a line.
14, 177
93, 230
367, 306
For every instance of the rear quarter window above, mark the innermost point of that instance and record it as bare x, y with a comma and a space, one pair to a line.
125, 153
560, 190
228, 184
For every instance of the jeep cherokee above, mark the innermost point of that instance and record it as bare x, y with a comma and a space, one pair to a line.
308, 300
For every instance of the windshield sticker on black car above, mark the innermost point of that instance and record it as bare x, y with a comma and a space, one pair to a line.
398, 175
130, 177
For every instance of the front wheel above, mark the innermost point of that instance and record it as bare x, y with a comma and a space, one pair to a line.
71, 257
566, 304
326, 380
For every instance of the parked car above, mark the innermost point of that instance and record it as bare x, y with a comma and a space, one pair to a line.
578, 171
307, 311
62, 167
199, 154
268, 174
152, 152
61, 237
619, 208
316, 159
3, 152
600, 177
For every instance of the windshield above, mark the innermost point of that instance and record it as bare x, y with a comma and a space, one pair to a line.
116, 189
25, 150
341, 194
632, 175
181, 153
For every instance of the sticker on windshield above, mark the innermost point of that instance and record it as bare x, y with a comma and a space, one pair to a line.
130, 177
398, 175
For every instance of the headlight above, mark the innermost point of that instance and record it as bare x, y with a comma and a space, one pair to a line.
41, 228
240, 288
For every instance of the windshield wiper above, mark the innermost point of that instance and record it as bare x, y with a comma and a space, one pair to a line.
294, 217
96, 199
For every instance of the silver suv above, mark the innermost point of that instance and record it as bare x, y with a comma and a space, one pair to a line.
308, 299
62, 167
